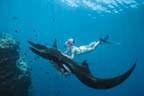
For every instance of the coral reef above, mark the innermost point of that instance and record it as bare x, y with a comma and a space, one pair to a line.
14, 72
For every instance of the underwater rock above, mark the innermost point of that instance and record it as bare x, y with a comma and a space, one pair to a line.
14, 72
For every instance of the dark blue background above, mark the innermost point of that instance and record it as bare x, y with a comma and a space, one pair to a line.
42, 21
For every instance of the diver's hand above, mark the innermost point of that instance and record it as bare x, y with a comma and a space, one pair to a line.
67, 56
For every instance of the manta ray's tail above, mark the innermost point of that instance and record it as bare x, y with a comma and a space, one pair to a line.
99, 83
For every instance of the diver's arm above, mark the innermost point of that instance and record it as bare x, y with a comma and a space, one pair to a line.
73, 54
70, 57
66, 51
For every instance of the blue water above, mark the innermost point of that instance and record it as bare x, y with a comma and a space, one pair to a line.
42, 21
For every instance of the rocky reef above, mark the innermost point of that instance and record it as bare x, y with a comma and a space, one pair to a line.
14, 72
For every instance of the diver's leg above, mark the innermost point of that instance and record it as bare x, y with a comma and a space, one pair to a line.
93, 45
90, 45
96, 44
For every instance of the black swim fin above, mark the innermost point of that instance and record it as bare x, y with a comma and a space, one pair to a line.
105, 40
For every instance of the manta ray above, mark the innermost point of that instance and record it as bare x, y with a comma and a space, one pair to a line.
81, 71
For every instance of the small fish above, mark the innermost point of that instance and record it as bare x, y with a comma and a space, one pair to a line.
14, 18
34, 30
38, 56
30, 61
25, 54
53, 19
35, 58
36, 35
58, 93
47, 72
16, 31
41, 68
30, 69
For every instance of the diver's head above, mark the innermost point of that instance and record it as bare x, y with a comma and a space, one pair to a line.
69, 42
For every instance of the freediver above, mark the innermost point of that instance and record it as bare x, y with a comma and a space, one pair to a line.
84, 48
79, 50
